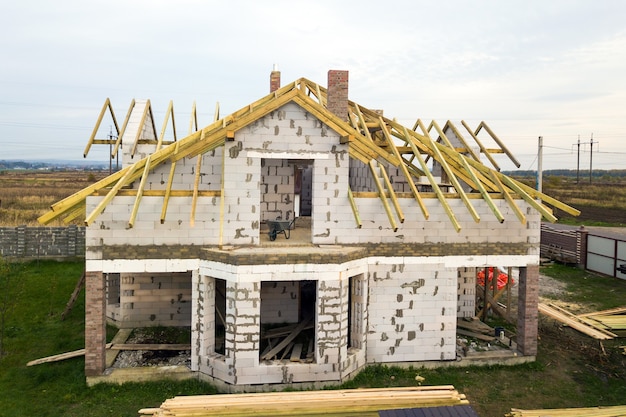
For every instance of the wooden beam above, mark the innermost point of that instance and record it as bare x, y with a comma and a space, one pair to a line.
196, 183
107, 105
355, 209
404, 169
142, 184
147, 110
497, 140
461, 139
480, 145
168, 187
507, 197
120, 135
168, 113
448, 170
481, 189
382, 196
547, 214
433, 183
391, 192
128, 176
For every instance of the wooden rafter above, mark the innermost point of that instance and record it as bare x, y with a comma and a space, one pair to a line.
449, 172
404, 169
146, 111
498, 141
168, 114
142, 185
355, 209
382, 195
120, 135
433, 183
92, 138
368, 134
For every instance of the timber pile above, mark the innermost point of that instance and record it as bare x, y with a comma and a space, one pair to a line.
615, 411
613, 320
309, 403
581, 324
281, 343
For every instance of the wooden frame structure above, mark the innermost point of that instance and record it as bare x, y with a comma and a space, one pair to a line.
372, 139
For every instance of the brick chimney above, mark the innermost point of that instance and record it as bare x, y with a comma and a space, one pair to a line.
338, 93
274, 79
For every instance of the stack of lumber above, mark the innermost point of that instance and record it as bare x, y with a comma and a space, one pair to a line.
615, 411
281, 343
581, 324
613, 320
308, 403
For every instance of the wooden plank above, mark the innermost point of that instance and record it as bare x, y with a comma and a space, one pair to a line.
149, 346
296, 353
287, 340
569, 319
74, 296
60, 357
479, 336
356, 402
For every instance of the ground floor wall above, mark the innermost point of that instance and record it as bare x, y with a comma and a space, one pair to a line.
393, 310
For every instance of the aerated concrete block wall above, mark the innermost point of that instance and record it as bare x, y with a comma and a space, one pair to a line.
280, 302
245, 286
155, 299
415, 311
438, 229
277, 189
361, 178
466, 292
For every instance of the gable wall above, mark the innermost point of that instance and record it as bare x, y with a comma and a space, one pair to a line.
287, 133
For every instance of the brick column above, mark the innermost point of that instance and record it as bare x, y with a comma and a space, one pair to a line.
528, 310
95, 323
337, 93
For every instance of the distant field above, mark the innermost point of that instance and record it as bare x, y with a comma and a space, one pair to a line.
26, 195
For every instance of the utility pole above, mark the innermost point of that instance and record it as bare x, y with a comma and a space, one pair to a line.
578, 162
540, 165
590, 143
591, 159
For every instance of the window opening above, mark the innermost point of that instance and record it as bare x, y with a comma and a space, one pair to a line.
288, 315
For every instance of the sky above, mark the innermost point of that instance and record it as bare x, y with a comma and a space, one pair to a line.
531, 68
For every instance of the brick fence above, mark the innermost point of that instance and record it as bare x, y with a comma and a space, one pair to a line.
23, 242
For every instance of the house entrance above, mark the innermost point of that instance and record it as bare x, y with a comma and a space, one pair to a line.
288, 316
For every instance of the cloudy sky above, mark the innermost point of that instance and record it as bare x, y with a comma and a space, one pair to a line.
528, 68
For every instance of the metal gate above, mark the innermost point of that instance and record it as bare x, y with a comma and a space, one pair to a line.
606, 255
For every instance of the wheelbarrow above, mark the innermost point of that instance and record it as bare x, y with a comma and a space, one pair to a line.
279, 226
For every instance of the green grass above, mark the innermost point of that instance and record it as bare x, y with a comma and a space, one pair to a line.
34, 329
571, 370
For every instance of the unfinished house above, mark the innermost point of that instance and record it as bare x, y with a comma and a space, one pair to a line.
304, 237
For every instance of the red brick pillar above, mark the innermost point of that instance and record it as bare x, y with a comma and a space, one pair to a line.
95, 323
274, 80
337, 93
528, 310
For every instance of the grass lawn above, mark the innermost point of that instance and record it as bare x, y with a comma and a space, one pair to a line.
571, 370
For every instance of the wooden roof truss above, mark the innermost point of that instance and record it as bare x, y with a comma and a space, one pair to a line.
376, 141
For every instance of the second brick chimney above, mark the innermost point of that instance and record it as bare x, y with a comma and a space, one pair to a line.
337, 94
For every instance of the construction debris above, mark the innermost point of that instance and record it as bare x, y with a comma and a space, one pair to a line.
614, 411
309, 403
575, 322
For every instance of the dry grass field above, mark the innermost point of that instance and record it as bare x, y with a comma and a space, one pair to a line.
26, 195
